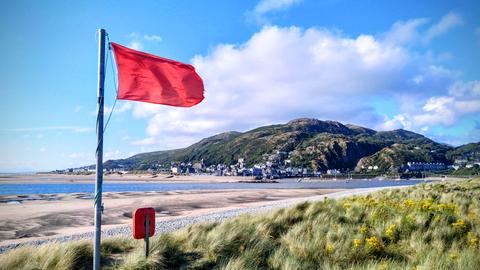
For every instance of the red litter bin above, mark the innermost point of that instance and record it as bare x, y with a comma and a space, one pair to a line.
140, 221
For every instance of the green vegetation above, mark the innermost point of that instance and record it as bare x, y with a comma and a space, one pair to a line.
393, 157
474, 170
429, 226
469, 151
315, 144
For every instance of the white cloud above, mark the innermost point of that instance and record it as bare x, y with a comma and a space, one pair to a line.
460, 89
408, 32
42, 149
284, 73
405, 32
447, 109
265, 6
463, 98
39, 136
397, 122
78, 108
446, 23
154, 38
137, 41
437, 110
136, 45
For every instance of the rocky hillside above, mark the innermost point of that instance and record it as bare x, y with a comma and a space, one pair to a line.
467, 152
312, 143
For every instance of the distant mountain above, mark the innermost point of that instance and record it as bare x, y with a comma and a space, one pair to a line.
313, 143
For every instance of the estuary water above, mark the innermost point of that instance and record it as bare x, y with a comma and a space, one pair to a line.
29, 189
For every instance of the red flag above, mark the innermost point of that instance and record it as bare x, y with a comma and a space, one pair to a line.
149, 78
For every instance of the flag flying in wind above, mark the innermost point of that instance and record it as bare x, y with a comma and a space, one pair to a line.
149, 78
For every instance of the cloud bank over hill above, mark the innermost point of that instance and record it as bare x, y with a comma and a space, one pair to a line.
282, 73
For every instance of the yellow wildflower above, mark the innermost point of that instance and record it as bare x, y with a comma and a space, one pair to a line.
390, 232
363, 229
459, 225
447, 206
357, 242
347, 205
409, 203
374, 243
330, 248
427, 205
472, 240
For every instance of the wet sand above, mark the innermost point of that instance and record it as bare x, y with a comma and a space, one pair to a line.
32, 217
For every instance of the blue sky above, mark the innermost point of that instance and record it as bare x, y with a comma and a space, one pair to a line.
380, 64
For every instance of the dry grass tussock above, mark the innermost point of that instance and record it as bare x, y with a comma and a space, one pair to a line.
429, 226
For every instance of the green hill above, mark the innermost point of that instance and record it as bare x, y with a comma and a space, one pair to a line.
469, 151
311, 143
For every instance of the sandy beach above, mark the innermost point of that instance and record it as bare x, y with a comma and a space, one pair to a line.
40, 216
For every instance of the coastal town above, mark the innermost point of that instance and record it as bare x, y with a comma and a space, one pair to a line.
278, 165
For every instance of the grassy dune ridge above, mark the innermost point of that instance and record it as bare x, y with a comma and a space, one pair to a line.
429, 226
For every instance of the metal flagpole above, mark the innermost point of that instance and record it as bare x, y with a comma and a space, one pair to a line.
99, 151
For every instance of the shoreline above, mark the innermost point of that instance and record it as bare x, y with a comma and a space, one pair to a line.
64, 214
175, 223
151, 179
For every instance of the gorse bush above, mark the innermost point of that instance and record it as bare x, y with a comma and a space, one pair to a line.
429, 226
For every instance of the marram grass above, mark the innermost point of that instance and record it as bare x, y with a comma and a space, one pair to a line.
429, 226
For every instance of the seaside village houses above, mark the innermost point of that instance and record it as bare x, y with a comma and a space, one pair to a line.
275, 165
278, 165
